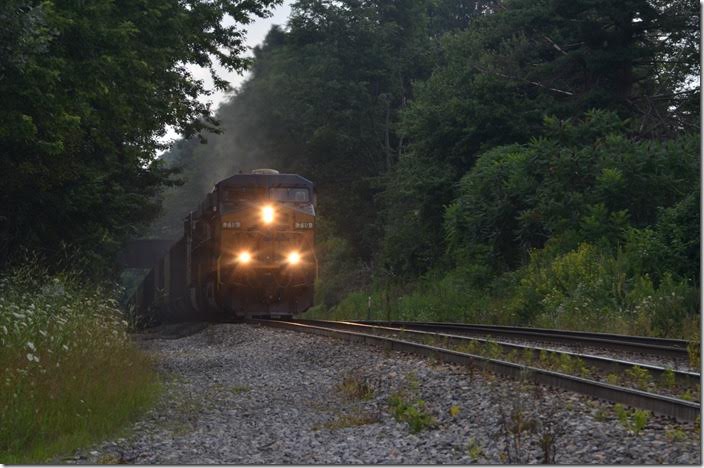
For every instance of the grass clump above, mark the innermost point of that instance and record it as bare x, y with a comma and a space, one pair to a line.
68, 372
355, 386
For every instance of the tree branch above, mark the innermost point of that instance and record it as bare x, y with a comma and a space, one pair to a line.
534, 83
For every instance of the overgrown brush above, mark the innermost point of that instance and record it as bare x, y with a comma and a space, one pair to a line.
68, 372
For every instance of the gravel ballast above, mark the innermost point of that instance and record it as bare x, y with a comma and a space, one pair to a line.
242, 394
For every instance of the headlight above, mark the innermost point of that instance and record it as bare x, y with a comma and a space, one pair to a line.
268, 214
244, 257
294, 258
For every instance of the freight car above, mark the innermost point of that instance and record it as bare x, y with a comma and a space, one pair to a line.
247, 251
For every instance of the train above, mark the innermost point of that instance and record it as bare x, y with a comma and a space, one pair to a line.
247, 251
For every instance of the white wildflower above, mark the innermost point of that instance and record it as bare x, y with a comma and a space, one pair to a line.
31, 357
31, 346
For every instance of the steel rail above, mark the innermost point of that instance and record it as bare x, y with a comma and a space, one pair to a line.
603, 363
620, 342
673, 407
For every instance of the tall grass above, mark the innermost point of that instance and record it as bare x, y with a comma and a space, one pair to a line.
69, 374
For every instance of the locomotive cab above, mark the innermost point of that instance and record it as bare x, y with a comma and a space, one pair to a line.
262, 260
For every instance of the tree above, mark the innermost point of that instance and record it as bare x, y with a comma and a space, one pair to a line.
514, 65
88, 90
585, 181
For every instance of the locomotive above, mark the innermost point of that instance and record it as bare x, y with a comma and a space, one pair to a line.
247, 251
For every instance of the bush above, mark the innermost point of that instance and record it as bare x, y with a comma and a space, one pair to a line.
68, 371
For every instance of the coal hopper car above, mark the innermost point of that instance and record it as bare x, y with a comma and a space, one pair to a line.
247, 251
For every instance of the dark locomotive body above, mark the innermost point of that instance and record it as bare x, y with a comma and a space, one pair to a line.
248, 251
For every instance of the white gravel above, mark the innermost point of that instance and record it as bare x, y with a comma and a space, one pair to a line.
243, 394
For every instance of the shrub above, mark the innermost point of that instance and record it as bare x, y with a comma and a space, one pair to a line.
68, 371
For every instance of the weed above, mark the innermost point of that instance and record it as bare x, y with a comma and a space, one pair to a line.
667, 379
527, 356
514, 424
454, 410
512, 356
621, 413
411, 411
581, 368
474, 449
640, 376
547, 438
694, 350
492, 350
565, 363
640, 420
613, 379
698, 424
686, 395
355, 386
634, 420
544, 358
469, 347
675, 434
601, 415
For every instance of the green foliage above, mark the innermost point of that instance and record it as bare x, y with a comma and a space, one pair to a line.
70, 374
412, 412
613, 379
640, 420
88, 90
518, 196
633, 420
641, 377
668, 379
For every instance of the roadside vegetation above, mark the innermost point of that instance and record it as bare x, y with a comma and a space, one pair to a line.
69, 373
614, 249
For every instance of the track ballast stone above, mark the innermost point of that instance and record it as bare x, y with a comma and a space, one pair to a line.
242, 394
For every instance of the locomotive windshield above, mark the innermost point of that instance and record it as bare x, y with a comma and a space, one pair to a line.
296, 195
236, 197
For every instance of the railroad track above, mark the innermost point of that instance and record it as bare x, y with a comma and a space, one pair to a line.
391, 337
639, 344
